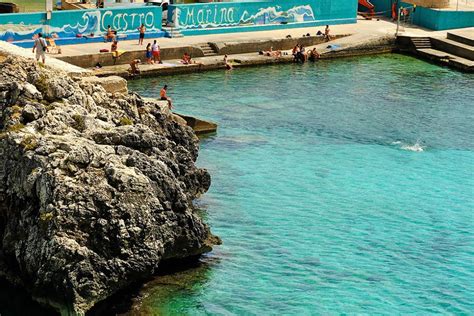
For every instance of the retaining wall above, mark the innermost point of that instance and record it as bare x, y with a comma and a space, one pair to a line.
222, 48
441, 19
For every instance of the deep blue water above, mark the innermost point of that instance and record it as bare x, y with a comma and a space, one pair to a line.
345, 186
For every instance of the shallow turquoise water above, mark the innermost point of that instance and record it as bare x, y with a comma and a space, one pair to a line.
338, 187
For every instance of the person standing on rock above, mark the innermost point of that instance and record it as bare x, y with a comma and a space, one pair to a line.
164, 97
41, 48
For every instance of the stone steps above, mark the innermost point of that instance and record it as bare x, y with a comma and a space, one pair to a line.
447, 58
463, 38
172, 32
453, 47
207, 50
421, 42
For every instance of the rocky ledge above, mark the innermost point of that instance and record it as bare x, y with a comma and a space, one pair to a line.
96, 189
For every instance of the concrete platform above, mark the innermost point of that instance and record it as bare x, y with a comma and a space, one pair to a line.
465, 37
354, 45
447, 59
453, 47
87, 55
200, 127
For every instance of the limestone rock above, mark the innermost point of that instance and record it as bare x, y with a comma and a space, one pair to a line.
96, 188
111, 84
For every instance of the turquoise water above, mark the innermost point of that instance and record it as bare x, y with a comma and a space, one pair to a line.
343, 186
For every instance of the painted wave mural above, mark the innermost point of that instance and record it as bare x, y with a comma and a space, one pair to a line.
209, 16
87, 23
18, 32
303, 13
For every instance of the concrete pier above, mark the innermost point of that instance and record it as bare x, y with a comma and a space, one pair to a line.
455, 50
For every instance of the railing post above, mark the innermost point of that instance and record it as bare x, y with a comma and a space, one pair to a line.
398, 20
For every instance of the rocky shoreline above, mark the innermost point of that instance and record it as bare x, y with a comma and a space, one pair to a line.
96, 187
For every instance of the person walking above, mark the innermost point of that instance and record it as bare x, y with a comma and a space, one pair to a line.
142, 30
155, 50
41, 48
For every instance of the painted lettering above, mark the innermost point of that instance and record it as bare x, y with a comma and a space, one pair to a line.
190, 17
208, 11
223, 16
133, 15
107, 13
230, 15
125, 22
116, 22
200, 16
215, 14
149, 19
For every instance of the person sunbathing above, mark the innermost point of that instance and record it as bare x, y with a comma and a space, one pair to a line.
276, 53
272, 53
186, 59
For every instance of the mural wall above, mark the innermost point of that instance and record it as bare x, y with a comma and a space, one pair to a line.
16, 27
441, 19
195, 16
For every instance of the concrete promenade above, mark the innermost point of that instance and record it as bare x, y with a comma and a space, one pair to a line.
382, 27
365, 32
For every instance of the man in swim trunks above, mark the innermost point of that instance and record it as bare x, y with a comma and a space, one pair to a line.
142, 30
164, 97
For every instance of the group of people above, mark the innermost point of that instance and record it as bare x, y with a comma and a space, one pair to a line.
153, 53
301, 55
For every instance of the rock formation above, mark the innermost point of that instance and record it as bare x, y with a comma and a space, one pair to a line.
95, 188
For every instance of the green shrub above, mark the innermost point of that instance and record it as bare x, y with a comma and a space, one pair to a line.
125, 121
46, 217
79, 122
29, 143
15, 127
16, 109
